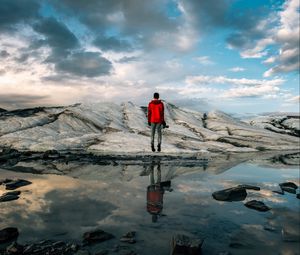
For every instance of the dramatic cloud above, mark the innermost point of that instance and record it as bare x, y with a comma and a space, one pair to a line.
90, 64
10, 101
112, 43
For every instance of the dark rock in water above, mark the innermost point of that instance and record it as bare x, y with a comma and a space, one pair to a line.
15, 248
269, 228
246, 186
17, 184
9, 196
3, 181
257, 205
97, 236
231, 194
50, 247
288, 189
182, 244
8, 234
128, 237
288, 184
298, 195
280, 192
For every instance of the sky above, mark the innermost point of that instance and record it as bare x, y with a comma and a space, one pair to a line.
237, 56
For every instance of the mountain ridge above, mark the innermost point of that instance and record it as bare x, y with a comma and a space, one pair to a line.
110, 127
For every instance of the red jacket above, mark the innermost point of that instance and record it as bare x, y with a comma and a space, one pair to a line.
156, 111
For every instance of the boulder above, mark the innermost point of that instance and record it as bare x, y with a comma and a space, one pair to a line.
16, 184
182, 244
257, 205
8, 234
280, 192
288, 184
97, 236
231, 194
288, 189
247, 186
298, 195
15, 248
9, 196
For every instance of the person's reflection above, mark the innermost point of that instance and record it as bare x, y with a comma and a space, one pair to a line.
155, 191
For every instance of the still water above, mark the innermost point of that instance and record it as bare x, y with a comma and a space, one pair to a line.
64, 205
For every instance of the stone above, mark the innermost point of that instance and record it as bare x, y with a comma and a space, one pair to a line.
97, 236
129, 237
247, 186
16, 184
182, 244
257, 205
3, 181
9, 196
288, 184
231, 194
15, 248
298, 195
288, 189
8, 234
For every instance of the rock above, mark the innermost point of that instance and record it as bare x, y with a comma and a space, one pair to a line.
280, 192
257, 205
182, 244
9, 196
51, 154
288, 189
231, 194
3, 181
128, 237
8, 234
298, 195
288, 184
269, 228
104, 252
17, 184
15, 248
246, 186
50, 247
97, 236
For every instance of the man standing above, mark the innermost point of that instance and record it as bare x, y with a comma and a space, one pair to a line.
156, 120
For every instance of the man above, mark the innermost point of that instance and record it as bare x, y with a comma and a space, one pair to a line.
156, 120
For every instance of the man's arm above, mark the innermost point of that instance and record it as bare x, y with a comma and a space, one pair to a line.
163, 113
149, 114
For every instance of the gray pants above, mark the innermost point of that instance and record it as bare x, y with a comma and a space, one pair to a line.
158, 127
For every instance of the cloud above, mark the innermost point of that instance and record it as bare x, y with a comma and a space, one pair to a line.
8, 101
237, 69
89, 64
17, 11
4, 54
57, 36
112, 43
294, 100
205, 60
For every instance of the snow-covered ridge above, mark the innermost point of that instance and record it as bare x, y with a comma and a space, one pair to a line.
109, 127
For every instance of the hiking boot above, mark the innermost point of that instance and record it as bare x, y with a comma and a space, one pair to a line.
152, 147
158, 147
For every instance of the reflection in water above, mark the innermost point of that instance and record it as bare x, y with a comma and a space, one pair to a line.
156, 190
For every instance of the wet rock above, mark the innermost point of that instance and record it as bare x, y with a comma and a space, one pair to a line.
247, 186
182, 244
280, 192
129, 237
14, 248
288, 184
97, 236
8, 234
289, 189
257, 205
298, 195
9, 196
50, 247
17, 184
231, 194
3, 181
269, 228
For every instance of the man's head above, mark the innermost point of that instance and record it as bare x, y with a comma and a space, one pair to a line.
156, 95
